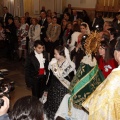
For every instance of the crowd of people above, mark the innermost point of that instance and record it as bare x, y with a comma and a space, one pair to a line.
69, 62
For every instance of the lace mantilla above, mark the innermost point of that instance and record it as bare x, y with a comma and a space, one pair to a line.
88, 60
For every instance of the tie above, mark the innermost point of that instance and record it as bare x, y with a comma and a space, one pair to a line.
42, 21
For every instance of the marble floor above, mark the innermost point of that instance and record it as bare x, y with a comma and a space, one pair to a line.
16, 74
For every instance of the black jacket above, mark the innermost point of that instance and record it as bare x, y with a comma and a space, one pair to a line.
8, 15
77, 57
98, 21
32, 68
67, 10
72, 17
12, 35
112, 44
43, 29
117, 28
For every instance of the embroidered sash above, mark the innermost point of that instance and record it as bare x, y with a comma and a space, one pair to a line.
62, 72
83, 84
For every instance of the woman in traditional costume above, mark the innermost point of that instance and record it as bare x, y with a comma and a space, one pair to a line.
104, 102
87, 78
61, 70
84, 28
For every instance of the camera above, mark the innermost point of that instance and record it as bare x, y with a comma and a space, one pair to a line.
5, 88
98, 28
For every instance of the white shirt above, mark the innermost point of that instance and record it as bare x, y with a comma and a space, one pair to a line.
75, 17
43, 20
40, 59
5, 17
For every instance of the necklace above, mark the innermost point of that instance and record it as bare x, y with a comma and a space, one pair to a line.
60, 64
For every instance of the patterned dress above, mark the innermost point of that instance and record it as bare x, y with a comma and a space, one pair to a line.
57, 90
22, 34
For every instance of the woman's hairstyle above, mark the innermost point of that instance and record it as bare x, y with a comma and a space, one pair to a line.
59, 118
17, 18
106, 36
105, 45
38, 42
76, 28
63, 20
55, 13
69, 23
83, 24
10, 18
61, 50
22, 17
36, 20
49, 11
117, 46
27, 108
110, 24
55, 18
112, 32
67, 14
49, 17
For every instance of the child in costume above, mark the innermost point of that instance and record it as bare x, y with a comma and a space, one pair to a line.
36, 69
61, 69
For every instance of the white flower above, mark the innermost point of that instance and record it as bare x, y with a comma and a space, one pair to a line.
107, 67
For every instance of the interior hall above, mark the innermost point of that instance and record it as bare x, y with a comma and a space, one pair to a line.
59, 52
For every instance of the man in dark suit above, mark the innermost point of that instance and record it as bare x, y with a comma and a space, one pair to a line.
28, 18
68, 9
98, 20
112, 40
117, 25
43, 9
44, 24
6, 16
74, 15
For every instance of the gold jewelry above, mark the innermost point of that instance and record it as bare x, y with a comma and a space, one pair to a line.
92, 43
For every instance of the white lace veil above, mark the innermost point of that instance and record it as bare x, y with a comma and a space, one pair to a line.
67, 54
88, 29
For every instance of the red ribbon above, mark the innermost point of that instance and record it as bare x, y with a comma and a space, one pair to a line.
41, 71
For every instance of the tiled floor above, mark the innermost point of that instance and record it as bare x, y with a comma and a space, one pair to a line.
16, 73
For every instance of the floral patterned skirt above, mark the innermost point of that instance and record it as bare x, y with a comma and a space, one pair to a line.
56, 93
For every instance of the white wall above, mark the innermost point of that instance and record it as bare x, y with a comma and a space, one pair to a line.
82, 3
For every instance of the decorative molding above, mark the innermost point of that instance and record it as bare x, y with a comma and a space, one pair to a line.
82, 1
78, 8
